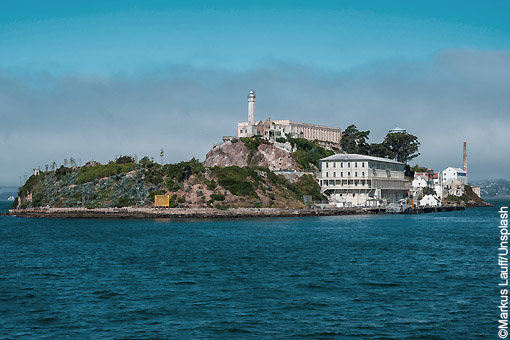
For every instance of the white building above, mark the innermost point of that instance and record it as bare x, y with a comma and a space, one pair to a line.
430, 201
454, 187
397, 129
310, 131
272, 129
360, 180
419, 182
249, 128
454, 173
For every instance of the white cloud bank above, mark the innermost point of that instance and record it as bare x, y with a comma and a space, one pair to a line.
460, 95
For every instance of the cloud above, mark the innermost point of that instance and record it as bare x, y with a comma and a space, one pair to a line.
459, 95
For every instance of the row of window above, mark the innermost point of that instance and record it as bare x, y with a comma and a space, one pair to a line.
356, 182
347, 164
348, 174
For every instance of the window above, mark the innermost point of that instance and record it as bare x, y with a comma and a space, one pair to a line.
334, 174
341, 174
355, 164
334, 164
341, 164
362, 164
348, 173
327, 164
326, 174
363, 174
348, 164
356, 174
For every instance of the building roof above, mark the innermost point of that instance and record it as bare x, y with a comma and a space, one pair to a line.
286, 121
397, 129
456, 169
356, 157
426, 174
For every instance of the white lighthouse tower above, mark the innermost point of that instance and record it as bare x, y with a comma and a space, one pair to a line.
249, 128
251, 108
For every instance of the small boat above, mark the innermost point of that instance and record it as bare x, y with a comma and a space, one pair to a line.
11, 198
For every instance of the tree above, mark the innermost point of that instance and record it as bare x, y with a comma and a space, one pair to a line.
146, 162
378, 150
417, 168
402, 146
161, 154
355, 141
124, 160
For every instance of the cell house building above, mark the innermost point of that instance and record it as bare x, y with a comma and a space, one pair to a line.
352, 180
326, 136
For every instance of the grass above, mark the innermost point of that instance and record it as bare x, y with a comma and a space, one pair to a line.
91, 173
237, 180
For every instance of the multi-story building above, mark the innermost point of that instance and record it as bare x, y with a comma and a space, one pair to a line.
272, 129
454, 173
360, 180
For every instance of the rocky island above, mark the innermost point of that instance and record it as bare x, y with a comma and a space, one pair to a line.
238, 174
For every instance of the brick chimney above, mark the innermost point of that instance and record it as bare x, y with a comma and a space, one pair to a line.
464, 160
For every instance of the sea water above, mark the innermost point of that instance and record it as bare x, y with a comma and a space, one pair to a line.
372, 276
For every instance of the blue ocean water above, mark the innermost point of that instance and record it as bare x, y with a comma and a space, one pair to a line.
387, 276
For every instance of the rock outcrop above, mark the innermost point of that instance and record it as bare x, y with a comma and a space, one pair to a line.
267, 155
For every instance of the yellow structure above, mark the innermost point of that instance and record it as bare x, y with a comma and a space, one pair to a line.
161, 200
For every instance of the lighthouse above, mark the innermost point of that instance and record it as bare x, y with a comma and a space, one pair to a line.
251, 108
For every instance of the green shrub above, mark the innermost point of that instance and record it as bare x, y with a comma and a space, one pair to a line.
221, 206
123, 202
308, 153
211, 185
154, 175
156, 192
218, 197
307, 185
172, 185
147, 163
251, 143
235, 180
91, 173
181, 200
124, 160
183, 170
281, 139
173, 203
62, 171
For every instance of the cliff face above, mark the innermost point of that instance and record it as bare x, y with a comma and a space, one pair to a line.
237, 153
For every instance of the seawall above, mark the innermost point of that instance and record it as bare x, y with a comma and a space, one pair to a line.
151, 213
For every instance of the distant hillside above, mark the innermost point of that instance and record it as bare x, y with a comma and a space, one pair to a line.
494, 188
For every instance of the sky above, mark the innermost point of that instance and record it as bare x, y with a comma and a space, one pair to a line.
96, 79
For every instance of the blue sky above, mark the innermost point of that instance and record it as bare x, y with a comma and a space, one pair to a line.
132, 36
115, 77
